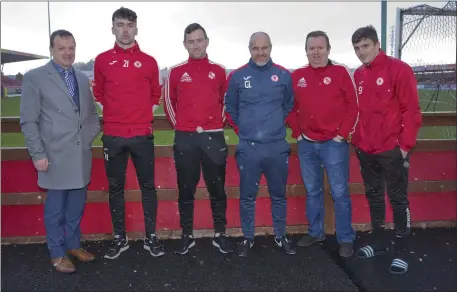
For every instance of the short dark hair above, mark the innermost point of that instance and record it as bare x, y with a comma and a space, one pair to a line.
193, 27
59, 33
366, 32
124, 13
315, 34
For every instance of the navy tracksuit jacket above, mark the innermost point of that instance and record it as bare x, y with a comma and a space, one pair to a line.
257, 102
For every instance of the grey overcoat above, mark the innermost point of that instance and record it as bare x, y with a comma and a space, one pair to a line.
54, 128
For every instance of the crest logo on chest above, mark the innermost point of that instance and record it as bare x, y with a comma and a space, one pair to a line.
211, 75
379, 81
327, 80
274, 78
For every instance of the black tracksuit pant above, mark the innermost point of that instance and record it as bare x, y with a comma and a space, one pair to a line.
391, 169
192, 152
116, 153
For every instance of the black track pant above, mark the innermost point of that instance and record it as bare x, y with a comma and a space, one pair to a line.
116, 152
391, 169
193, 152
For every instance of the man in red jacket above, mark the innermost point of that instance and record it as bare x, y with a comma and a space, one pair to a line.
194, 105
127, 84
324, 116
390, 119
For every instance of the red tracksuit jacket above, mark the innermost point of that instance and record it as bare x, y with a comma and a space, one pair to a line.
127, 84
390, 114
325, 103
194, 96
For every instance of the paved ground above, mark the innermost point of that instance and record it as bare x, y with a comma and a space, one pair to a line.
317, 268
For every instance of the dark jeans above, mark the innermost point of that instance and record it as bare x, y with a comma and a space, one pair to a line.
391, 169
194, 152
116, 152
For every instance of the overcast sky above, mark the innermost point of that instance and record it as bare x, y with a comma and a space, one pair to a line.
24, 27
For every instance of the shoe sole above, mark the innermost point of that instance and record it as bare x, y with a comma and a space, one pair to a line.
308, 244
397, 273
187, 250
220, 249
118, 254
66, 272
146, 247
346, 255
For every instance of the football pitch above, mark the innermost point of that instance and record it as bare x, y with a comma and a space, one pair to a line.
446, 101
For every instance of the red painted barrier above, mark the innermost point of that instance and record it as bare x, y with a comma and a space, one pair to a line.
27, 220
21, 177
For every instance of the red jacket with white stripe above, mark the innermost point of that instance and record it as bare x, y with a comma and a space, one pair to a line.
194, 96
325, 103
127, 84
390, 114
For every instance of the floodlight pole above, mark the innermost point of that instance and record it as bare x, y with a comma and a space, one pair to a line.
49, 28
383, 25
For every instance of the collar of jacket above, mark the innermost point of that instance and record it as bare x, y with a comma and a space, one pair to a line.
61, 69
261, 68
199, 61
379, 60
133, 49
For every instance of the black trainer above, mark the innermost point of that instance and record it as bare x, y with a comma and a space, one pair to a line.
243, 247
285, 244
153, 245
187, 242
118, 245
223, 243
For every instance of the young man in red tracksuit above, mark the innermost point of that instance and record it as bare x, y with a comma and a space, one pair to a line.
390, 119
194, 105
322, 121
127, 85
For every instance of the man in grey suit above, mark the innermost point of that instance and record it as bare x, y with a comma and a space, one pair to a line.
59, 121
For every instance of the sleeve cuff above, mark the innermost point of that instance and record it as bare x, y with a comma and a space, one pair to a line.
39, 156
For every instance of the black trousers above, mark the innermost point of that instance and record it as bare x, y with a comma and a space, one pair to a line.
386, 169
194, 152
116, 152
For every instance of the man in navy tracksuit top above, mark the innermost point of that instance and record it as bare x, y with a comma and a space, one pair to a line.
258, 99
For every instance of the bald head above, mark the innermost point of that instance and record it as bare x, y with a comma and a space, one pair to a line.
259, 36
260, 48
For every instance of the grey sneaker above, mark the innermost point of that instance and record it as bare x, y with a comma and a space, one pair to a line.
308, 240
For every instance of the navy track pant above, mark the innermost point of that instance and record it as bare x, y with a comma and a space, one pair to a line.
271, 159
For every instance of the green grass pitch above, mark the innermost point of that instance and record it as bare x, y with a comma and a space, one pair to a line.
446, 102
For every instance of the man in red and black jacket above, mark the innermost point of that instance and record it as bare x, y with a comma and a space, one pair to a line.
323, 120
194, 105
390, 119
127, 85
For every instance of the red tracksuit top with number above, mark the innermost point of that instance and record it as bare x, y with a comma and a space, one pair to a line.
194, 96
325, 103
127, 84
390, 114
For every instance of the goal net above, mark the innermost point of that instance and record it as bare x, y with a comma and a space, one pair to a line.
425, 38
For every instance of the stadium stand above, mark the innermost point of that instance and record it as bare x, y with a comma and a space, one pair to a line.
9, 85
